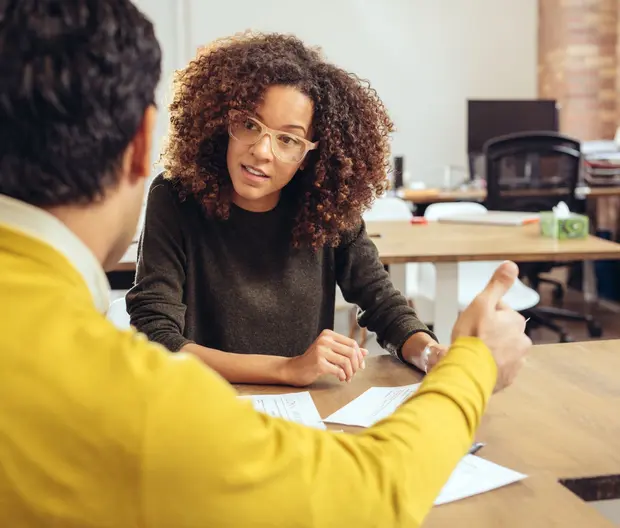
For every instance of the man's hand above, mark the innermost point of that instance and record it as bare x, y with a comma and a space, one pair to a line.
331, 353
498, 326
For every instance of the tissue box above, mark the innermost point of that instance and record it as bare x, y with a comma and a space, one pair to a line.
572, 227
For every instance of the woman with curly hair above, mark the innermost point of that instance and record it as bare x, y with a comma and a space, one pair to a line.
272, 157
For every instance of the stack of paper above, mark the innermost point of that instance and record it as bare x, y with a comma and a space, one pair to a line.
296, 407
372, 406
474, 475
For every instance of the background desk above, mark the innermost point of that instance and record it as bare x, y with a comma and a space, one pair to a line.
428, 196
446, 245
559, 421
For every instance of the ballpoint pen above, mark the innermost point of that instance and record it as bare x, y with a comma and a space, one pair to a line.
477, 446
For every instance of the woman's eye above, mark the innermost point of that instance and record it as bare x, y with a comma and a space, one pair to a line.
289, 140
250, 125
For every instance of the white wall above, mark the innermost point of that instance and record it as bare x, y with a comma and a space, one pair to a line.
169, 19
424, 57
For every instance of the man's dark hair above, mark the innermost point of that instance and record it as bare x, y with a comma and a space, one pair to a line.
75, 79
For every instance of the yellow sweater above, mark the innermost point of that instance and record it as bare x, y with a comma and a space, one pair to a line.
100, 428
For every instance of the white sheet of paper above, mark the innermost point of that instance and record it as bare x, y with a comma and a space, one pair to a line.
372, 406
296, 407
474, 475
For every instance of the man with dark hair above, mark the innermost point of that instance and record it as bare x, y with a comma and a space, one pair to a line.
99, 427
77, 89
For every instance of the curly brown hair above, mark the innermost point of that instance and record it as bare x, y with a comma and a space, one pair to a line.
340, 180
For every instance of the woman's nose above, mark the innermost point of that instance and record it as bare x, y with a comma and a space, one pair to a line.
262, 148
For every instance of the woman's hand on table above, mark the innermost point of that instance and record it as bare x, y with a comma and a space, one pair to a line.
331, 353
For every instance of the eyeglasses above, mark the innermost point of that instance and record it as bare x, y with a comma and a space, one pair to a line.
288, 148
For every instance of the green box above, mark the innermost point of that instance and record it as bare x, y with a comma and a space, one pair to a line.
574, 227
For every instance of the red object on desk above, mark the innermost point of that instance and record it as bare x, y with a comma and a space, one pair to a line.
419, 220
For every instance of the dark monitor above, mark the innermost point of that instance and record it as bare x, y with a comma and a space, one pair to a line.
492, 118
489, 119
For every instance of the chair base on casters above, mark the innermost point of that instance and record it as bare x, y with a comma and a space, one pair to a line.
558, 288
536, 280
544, 316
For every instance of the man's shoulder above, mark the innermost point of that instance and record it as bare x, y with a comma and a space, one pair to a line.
84, 388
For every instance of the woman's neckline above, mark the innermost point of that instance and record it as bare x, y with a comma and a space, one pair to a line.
255, 214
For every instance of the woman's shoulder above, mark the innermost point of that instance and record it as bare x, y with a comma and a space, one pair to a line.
165, 193
164, 185
167, 196
352, 233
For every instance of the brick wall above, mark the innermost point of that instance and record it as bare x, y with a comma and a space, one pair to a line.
579, 64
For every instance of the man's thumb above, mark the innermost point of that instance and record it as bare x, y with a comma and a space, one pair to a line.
501, 281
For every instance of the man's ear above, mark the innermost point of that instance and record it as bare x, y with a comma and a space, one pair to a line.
142, 145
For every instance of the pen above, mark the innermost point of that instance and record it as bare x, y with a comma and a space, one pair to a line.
477, 446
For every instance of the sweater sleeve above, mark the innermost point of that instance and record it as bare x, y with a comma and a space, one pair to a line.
365, 282
232, 466
155, 303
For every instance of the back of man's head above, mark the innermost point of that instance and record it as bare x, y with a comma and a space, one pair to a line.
75, 80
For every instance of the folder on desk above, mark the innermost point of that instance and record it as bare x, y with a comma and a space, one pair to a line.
503, 218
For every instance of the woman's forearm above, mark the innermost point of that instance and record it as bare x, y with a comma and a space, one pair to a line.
243, 368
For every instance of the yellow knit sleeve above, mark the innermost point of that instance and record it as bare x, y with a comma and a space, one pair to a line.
210, 460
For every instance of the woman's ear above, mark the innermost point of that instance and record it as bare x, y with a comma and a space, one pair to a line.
305, 161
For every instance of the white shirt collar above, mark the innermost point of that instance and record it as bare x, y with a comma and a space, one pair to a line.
42, 225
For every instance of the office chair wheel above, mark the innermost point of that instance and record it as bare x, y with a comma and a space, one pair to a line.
594, 329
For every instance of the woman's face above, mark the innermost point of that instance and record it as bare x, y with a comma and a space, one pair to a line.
257, 175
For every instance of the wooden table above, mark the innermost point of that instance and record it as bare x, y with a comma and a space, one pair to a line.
559, 421
445, 245
536, 502
562, 416
401, 242
428, 196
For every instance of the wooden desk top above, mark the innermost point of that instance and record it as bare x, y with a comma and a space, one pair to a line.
537, 501
560, 418
401, 242
427, 196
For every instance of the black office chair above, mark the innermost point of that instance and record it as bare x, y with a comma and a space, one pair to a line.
533, 171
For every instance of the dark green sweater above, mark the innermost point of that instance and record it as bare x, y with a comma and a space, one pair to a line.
239, 286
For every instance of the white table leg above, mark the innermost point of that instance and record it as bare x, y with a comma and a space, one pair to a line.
446, 299
590, 292
398, 276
